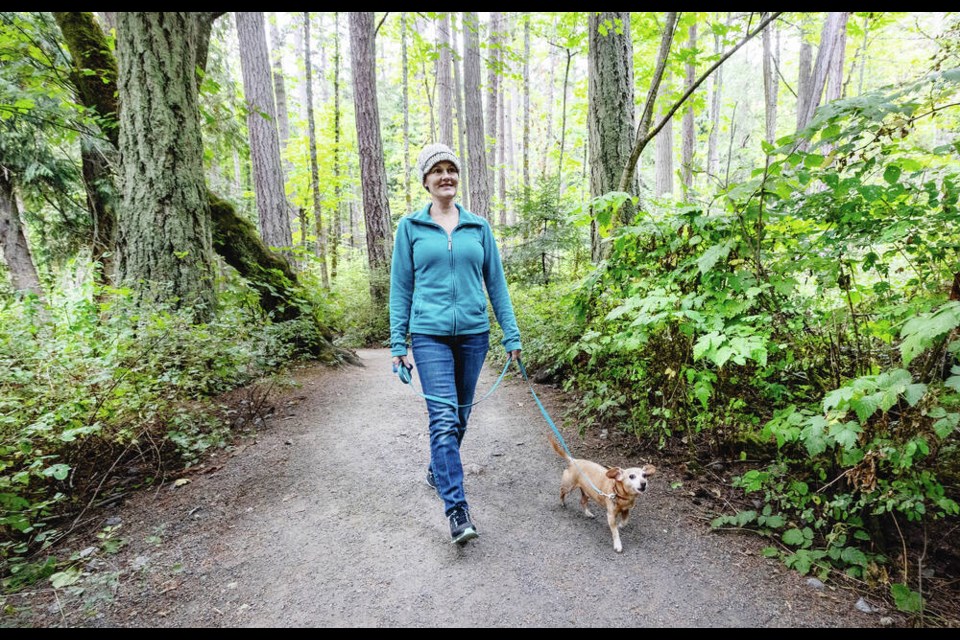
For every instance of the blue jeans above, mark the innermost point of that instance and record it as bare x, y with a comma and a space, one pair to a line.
449, 367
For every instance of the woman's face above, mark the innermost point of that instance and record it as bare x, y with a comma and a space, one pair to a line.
442, 179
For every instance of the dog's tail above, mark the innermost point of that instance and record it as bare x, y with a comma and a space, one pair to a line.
556, 447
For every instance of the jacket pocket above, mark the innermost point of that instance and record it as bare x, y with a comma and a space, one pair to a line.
417, 304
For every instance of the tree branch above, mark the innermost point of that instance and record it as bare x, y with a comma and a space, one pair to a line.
644, 138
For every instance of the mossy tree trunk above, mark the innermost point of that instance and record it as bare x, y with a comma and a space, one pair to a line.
233, 237
85, 39
164, 241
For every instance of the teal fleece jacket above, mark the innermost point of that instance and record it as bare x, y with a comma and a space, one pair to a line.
436, 281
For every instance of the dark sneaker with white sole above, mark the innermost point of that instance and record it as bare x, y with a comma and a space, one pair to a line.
461, 528
432, 482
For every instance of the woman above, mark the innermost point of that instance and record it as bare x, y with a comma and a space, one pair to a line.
443, 256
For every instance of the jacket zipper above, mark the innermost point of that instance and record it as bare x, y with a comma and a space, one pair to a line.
453, 278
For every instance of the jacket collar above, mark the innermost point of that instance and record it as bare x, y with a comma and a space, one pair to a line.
466, 218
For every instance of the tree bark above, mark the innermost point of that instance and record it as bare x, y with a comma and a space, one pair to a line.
280, 90
80, 33
164, 241
687, 132
461, 118
444, 81
803, 74
406, 112
716, 92
832, 40
611, 108
96, 158
493, 92
314, 169
13, 242
373, 175
274, 218
526, 108
770, 85
337, 190
563, 123
664, 152
476, 158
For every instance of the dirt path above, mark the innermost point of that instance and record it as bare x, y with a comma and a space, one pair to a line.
325, 520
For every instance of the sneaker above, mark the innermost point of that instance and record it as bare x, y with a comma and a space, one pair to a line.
461, 528
432, 482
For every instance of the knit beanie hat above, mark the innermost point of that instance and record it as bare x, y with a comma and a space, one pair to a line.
431, 155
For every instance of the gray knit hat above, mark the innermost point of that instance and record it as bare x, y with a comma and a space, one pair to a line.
431, 155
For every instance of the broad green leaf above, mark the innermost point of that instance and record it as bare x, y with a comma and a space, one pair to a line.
845, 433
775, 522
914, 392
58, 471
793, 537
892, 173
946, 425
813, 436
852, 555
920, 332
66, 578
905, 599
712, 255
866, 406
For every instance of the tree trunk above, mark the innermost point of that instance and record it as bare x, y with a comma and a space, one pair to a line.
526, 109
94, 90
96, 159
686, 127
493, 92
501, 159
279, 89
337, 190
476, 158
444, 81
548, 134
428, 91
563, 123
164, 242
611, 108
803, 75
716, 92
461, 118
13, 242
664, 152
108, 19
406, 112
835, 72
234, 238
274, 218
832, 40
373, 175
770, 85
314, 169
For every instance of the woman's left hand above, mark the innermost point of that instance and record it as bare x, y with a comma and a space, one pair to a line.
515, 354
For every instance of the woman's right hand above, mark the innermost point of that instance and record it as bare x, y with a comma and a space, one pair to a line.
397, 360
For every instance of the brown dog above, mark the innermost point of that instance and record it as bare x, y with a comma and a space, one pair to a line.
618, 488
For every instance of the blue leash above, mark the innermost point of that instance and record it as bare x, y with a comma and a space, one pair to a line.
406, 377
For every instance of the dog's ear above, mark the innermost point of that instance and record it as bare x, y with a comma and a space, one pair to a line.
616, 473
649, 470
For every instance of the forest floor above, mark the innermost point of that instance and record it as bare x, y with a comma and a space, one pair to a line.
322, 518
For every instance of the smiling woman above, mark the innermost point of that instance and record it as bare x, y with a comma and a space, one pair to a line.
443, 258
